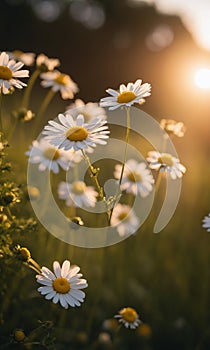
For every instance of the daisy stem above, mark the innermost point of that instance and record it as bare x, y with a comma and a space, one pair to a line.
126, 146
42, 109
1, 125
164, 143
45, 103
75, 170
34, 263
33, 268
9, 214
124, 158
157, 185
27, 93
12, 130
94, 175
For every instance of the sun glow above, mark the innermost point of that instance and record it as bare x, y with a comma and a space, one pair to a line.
202, 78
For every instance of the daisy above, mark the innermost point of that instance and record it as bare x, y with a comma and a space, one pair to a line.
136, 178
129, 317
125, 220
19, 335
166, 162
77, 194
76, 134
127, 95
23, 114
89, 110
45, 64
63, 284
25, 58
173, 127
60, 82
9, 72
50, 157
206, 222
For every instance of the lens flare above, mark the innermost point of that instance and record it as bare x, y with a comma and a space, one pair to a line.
202, 78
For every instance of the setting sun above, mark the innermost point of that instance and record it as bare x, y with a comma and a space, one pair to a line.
202, 78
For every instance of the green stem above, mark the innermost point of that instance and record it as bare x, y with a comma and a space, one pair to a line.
32, 262
9, 213
75, 170
126, 146
124, 157
33, 268
12, 130
157, 185
27, 93
1, 125
42, 109
164, 143
45, 103
94, 175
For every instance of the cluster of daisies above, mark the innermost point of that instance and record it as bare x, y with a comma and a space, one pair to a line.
68, 140
12, 62
64, 285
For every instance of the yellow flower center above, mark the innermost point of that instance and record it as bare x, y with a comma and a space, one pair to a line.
125, 97
166, 158
129, 314
77, 133
78, 187
62, 79
51, 153
61, 285
134, 177
5, 73
123, 215
19, 335
25, 253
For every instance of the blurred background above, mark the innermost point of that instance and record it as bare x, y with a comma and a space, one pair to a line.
102, 44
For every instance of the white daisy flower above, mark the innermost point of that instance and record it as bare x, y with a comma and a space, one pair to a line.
26, 58
206, 222
125, 220
76, 134
50, 157
89, 110
46, 64
129, 317
77, 194
127, 95
59, 82
173, 127
62, 285
166, 162
9, 72
136, 178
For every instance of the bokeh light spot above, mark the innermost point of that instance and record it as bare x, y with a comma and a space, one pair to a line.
47, 10
202, 78
160, 38
90, 14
